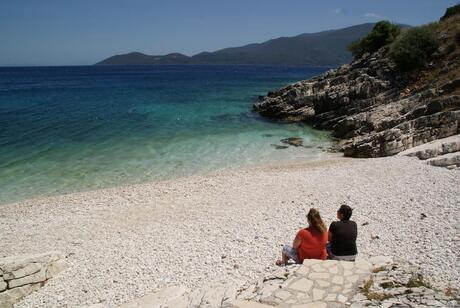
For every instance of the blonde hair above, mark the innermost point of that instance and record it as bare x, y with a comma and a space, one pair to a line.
315, 220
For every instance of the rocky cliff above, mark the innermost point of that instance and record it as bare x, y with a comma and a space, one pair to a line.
373, 108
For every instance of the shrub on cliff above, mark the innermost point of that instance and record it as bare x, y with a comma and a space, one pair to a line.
413, 48
451, 11
383, 33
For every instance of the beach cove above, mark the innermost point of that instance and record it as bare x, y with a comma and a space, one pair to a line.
231, 155
124, 242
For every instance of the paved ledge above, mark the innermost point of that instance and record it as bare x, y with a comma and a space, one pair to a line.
377, 282
314, 284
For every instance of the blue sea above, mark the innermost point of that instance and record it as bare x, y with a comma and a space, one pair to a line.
68, 129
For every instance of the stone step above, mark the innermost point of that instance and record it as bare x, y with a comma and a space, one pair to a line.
435, 148
23, 274
168, 296
213, 295
315, 283
451, 160
249, 304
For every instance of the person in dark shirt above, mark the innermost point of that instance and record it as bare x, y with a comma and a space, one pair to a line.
342, 236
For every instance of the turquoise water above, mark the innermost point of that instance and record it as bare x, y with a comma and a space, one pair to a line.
67, 129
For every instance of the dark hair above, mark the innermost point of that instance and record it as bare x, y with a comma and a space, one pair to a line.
346, 211
315, 220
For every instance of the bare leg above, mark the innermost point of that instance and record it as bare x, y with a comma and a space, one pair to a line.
283, 261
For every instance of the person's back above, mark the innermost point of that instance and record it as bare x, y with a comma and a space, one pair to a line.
342, 236
309, 243
312, 244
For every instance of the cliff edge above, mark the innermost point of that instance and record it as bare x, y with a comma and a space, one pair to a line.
373, 106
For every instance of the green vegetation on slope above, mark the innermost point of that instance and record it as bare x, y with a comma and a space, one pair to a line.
383, 33
413, 48
410, 49
453, 10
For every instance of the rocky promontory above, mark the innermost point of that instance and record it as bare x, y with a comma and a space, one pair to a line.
374, 108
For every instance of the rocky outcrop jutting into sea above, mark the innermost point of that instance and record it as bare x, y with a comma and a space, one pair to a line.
372, 108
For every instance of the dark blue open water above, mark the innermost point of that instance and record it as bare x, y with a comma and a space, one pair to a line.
66, 129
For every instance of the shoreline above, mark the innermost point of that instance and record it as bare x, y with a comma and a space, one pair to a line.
124, 242
322, 156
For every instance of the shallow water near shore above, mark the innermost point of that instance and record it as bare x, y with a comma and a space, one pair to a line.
67, 129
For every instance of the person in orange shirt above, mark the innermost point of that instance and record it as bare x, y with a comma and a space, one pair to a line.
309, 243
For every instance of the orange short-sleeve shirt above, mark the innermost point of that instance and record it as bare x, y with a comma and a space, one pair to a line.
312, 244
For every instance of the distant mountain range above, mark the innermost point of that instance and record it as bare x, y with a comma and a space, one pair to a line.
326, 48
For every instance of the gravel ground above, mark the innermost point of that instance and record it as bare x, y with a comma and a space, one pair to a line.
124, 242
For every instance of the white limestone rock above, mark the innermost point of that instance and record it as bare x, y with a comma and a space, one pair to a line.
34, 278
283, 295
23, 274
248, 304
56, 267
28, 269
318, 294
302, 285
2, 285
157, 299
12, 264
379, 261
11, 296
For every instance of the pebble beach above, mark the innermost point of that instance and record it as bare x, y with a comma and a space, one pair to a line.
124, 242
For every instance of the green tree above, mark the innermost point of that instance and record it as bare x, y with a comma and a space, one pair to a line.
383, 33
413, 48
451, 11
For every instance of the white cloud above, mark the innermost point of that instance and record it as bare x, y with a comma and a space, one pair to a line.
338, 11
373, 15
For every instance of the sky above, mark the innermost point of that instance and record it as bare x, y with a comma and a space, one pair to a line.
82, 32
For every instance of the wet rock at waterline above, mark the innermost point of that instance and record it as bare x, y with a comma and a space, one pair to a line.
295, 141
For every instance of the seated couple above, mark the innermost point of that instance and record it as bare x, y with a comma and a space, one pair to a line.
315, 242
